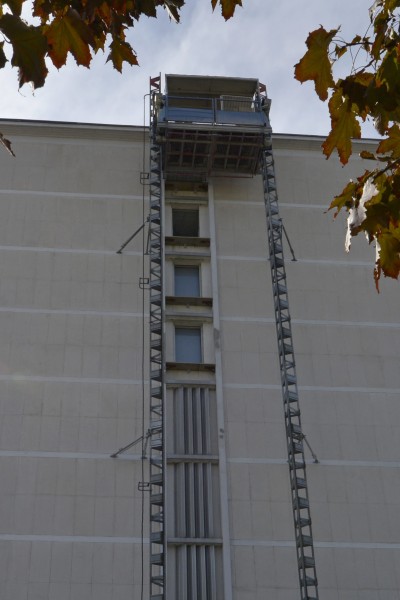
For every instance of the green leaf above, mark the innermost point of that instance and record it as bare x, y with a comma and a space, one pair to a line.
392, 143
315, 64
344, 127
29, 49
388, 73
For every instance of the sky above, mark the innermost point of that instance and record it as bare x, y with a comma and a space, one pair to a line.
264, 40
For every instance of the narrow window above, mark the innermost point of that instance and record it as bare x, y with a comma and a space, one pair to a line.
185, 222
187, 281
188, 344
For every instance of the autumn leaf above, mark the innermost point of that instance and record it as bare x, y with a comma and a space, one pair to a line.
172, 7
366, 155
7, 144
121, 51
29, 49
315, 64
345, 199
227, 7
392, 143
389, 71
389, 253
344, 127
3, 58
68, 33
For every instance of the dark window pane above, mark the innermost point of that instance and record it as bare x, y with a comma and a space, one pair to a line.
188, 344
185, 222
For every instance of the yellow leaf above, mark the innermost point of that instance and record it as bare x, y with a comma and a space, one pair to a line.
344, 127
68, 33
121, 51
315, 64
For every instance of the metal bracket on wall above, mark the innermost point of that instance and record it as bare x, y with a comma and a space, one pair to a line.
133, 235
144, 177
144, 283
128, 446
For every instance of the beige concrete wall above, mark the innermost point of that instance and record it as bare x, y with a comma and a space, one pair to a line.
346, 339
71, 375
70, 365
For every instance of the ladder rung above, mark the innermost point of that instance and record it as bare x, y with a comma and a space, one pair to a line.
157, 580
157, 517
303, 522
296, 431
157, 499
157, 479
156, 537
306, 562
157, 559
301, 503
299, 483
305, 540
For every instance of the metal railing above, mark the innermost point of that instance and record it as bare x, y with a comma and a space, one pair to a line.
235, 110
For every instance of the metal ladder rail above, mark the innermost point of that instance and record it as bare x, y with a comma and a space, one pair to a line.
157, 363
294, 436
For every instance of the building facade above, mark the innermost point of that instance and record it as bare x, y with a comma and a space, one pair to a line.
201, 504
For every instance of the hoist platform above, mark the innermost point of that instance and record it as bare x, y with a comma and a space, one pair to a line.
211, 126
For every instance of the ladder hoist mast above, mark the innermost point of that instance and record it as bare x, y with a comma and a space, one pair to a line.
157, 361
294, 434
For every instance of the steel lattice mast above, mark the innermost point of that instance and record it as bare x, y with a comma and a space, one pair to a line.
294, 434
157, 362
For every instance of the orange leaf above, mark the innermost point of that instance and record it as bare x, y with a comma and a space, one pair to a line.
227, 7
68, 33
344, 126
315, 64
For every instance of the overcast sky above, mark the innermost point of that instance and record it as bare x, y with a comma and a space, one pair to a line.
264, 40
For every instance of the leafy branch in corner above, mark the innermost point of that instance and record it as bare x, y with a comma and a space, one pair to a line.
371, 91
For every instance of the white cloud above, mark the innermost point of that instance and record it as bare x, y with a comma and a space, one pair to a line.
264, 39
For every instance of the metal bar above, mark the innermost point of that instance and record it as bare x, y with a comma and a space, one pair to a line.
132, 236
